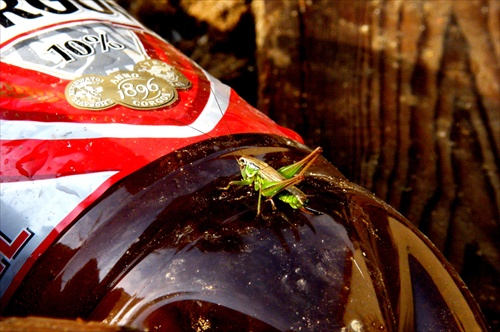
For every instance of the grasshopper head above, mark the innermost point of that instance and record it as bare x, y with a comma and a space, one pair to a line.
248, 167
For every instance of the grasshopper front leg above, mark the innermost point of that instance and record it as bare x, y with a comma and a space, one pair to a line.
244, 182
247, 182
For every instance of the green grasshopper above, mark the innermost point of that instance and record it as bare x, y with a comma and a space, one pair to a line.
271, 182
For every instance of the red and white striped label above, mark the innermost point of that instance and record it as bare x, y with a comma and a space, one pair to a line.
56, 159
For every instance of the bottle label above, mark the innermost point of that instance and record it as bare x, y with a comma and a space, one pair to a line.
88, 97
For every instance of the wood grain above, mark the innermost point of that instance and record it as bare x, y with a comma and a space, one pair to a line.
404, 98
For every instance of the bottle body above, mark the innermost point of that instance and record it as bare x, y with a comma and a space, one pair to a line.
166, 248
115, 153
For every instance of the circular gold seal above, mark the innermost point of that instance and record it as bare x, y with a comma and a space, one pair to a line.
139, 90
165, 71
87, 92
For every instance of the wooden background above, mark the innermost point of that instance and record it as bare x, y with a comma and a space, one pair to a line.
403, 96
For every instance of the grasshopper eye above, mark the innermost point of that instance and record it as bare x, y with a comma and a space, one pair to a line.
242, 163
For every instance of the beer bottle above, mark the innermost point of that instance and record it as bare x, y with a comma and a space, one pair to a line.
117, 157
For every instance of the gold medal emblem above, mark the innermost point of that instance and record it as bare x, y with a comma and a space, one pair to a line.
87, 92
152, 84
139, 90
165, 71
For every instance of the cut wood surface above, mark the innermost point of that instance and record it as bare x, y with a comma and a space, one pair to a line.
403, 96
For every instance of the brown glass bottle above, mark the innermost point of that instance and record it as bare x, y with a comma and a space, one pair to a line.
166, 249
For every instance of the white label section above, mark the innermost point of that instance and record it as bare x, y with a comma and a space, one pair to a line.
210, 116
18, 17
71, 50
30, 210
